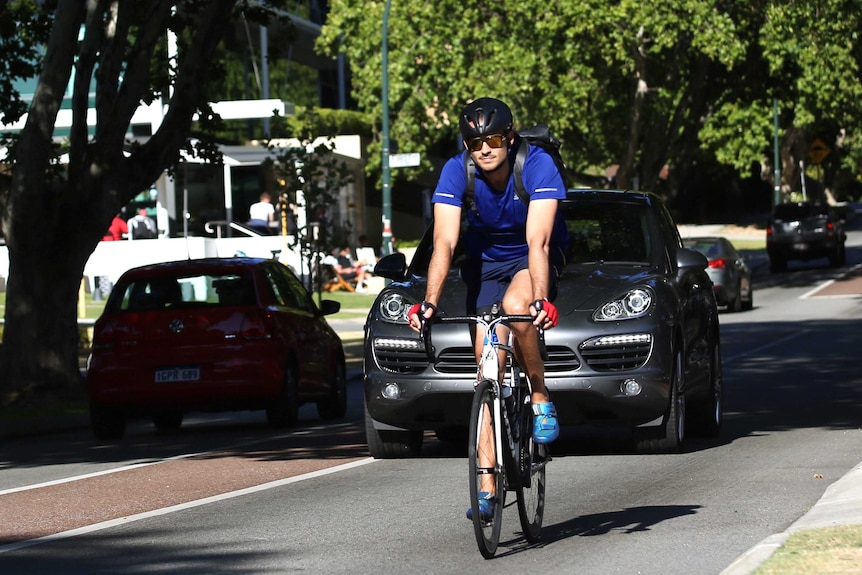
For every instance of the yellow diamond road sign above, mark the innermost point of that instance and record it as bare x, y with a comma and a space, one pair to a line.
818, 151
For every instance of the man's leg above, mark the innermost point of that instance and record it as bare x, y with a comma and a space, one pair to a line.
517, 301
519, 296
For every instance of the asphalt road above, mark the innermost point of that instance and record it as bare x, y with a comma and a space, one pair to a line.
227, 495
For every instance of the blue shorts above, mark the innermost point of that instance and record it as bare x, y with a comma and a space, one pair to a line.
487, 282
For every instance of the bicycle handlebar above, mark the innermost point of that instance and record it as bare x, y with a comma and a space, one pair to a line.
494, 320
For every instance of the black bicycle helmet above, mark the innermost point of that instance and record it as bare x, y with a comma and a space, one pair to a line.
485, 116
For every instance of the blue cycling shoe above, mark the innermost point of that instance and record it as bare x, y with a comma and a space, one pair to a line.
546, 428
486, 506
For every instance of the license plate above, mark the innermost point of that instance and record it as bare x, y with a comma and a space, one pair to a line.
800, 247
170, 374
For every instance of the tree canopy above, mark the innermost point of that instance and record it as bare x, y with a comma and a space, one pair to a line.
641, 85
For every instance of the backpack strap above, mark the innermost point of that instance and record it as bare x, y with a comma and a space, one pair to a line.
469, 198
521, 157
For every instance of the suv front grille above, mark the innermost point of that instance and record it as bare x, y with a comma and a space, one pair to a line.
616, 353
400, 355
460, 360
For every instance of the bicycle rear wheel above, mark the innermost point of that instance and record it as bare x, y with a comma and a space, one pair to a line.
483, 424
532, 458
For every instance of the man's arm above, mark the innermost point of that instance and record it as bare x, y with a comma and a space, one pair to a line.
540, 224
447, 229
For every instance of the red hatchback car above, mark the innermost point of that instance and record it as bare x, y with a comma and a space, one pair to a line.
212, 335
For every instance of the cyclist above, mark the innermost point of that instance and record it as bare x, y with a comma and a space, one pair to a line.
514, 250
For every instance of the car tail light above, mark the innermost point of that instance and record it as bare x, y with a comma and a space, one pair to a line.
768, 230
257, 324
718, 264
104, 335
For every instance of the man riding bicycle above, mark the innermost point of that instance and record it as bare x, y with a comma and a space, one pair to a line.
514, 249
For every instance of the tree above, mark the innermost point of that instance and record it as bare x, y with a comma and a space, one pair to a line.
645, 85
52, 223
608, 77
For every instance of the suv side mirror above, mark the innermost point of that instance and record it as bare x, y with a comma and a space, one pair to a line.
689, 260
393, 267
329, 307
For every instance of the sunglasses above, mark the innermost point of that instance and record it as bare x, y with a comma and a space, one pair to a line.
493, 140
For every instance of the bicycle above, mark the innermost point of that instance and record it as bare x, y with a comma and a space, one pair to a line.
517, 462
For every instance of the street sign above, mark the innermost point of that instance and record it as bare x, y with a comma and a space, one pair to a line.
404, 160
818, 151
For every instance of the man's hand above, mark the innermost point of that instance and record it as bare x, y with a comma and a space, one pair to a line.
418, 313
545, 312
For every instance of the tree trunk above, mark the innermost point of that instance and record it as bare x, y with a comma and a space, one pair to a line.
40, 342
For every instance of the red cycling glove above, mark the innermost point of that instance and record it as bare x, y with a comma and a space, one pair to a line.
550, 310
420, 309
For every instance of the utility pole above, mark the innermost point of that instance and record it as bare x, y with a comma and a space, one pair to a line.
775, 155
387, 188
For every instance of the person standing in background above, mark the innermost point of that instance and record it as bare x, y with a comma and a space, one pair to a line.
117, 230
142, 226
261, 213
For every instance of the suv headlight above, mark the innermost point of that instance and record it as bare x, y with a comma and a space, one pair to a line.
634, 303
393, 308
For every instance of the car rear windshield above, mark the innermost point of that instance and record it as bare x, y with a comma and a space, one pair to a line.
709, 248
158, 293
799, 211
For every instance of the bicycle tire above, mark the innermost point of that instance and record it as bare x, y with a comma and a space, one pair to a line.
532, 458
482, 412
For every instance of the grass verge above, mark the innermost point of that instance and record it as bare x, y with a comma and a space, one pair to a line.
827, 551
749, 245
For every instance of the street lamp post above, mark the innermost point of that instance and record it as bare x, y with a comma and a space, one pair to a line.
387, 188
775, 156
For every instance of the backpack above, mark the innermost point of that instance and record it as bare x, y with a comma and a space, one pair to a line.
538, 135
143, 229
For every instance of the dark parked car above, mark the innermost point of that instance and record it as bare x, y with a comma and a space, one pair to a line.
637, 345
730, 275
212, 335
804, 231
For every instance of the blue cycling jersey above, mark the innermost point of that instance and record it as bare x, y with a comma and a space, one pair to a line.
498, 231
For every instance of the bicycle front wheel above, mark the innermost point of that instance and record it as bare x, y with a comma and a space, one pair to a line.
532, 458
486, 476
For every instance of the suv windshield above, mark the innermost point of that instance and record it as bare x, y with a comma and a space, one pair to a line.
607, 232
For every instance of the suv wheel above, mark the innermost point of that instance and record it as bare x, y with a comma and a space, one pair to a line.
391, 444
669, 437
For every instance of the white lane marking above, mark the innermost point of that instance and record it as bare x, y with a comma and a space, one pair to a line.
181, 507
828, 283
822, 286
166, 459
96, 474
